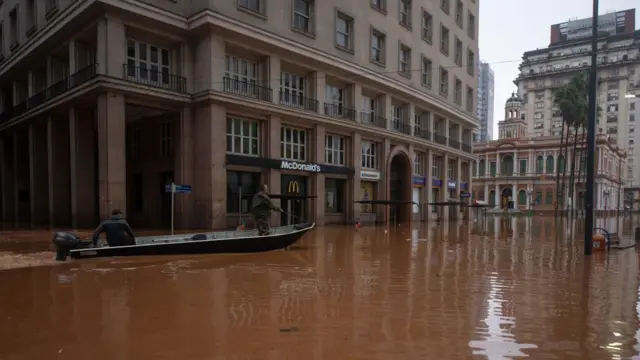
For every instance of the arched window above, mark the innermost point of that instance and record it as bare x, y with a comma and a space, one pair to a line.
539, 165
561, 164
549, 164
507, 165
522, 197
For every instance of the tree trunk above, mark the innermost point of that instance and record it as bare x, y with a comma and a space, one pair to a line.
558, 170
581, 152
572, 176
564, 148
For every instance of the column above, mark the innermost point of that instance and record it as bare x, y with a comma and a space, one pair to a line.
318, 179
112, 161
73, 57
382, 212
411, 118
320, 82
184, 167
4, 171
111, 47
444, 189
49, 70
16, 180
186, 62
387, 110
209, 65
458, 187
274, 74
356, 97
514, 194
428, 185
356, 154
498, 160
30, 84
38, 173
73, 165
487, 168
486, 192
86, 180
555, 162
273, 176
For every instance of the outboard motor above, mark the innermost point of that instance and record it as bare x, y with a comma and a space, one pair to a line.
65, 242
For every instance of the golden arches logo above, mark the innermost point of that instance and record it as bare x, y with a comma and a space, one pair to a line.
294, 187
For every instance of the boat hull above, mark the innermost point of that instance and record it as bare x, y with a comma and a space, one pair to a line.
212, 244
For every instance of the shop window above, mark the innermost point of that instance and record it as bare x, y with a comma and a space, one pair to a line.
367, 192
334, 196
241, 186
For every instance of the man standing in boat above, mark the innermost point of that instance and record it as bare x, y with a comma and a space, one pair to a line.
261, 207
116, 229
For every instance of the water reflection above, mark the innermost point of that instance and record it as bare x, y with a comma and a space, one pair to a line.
501, 288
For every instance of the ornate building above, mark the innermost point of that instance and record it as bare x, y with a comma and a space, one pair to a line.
526, 170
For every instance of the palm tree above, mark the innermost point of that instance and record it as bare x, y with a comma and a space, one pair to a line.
572, 100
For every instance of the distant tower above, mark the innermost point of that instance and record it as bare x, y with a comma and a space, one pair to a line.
514, 125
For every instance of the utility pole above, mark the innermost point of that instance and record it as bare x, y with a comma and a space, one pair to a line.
591, 134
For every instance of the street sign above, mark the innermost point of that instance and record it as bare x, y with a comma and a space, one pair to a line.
465, 195
178, 188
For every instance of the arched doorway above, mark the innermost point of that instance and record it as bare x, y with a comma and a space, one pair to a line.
399, 185
505, 197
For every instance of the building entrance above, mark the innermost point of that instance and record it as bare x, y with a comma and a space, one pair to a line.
293, 199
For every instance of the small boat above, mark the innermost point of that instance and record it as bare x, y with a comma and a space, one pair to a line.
239, 241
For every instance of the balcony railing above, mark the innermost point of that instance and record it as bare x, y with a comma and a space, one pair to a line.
155, 78
79, 77
454, 143
247, 89
422, 133
339, 112
298, 102
466, 147
373, 119
399, 125
440, 139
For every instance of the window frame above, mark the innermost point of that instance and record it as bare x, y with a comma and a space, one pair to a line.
427, 27
139, 72
445, 43
382, 38
245, 5
336, 153
426, 71
443, 85
369, 157
310, 17
404, 67
350, 28
230, 134
406, 21
292, 146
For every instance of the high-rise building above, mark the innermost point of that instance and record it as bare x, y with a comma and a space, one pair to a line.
103, 103
546, 69
485, 102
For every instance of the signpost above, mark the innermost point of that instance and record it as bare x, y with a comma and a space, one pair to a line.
173, 189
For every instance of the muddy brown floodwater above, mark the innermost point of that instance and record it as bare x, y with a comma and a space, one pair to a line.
455, 291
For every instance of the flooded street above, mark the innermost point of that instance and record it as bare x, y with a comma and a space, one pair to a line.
503, 290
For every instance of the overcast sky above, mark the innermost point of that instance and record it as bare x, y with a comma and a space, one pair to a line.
508, 28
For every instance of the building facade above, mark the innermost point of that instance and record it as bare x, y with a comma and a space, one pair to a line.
526, 170
485, 102
543, 70
105, 103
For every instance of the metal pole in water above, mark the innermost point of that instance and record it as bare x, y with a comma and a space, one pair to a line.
173, 202
591, 134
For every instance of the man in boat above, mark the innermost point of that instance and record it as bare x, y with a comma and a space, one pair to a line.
261, 207
116, 229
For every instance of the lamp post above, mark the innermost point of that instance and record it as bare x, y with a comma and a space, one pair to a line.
591, 134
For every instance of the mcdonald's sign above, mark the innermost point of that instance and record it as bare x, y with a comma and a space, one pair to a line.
294, 187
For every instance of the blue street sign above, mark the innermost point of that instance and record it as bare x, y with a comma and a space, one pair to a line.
179, 189
465, 195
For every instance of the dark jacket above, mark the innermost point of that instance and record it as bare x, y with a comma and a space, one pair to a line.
261, 205
115, 229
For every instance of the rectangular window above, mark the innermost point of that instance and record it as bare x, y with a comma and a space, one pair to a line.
405, 12
549, 198
334, 196
471, 26
241, 186
303, 15
379, 5
334, 96
459, 13
450, 172
457, 91
492, 168
242, 76
426, 72
444, 40
418, 163
243, 136
148, 63
457, 53
344, 31
427, 27
293, 144
292, 88
396, 117
538, 200
31, 16
435, 166
166, 139
523, 167
13, 27
369, 155
444, 82
378, 41
471, 62
256, 6
334, 149
445, 6
405, 61
470, 98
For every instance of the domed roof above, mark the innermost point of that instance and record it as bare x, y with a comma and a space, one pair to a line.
514, 98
